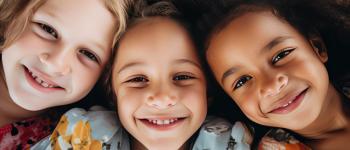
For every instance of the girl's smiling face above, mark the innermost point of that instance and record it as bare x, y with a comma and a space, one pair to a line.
159, 84
60, 55
270, 70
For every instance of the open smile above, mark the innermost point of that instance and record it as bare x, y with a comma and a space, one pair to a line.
39, 83
162, 124
289, 104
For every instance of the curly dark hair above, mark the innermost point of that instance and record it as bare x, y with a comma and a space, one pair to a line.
327, 19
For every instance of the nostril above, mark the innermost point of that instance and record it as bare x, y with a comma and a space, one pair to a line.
283, 80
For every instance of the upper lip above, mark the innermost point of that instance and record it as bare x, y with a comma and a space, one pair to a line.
44, 77
286, 99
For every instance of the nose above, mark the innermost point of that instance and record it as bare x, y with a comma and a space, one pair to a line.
162, 98
272, 84
57, 62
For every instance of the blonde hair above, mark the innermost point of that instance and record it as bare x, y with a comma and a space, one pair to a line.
15, 15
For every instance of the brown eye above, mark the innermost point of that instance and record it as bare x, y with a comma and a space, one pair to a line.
241, 81
182, 77
138, 79
48, 29
89, 55
281, 55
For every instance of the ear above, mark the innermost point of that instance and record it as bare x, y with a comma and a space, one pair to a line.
319, 48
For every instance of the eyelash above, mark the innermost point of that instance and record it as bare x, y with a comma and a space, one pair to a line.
183, 77
52, 32
137, 79
281, 55
89, 55
241, 81
48, 29
140, 81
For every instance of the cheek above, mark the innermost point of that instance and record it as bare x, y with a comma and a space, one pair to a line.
29, 42
249, 105
311, 70
84, 78
195, 99
128, 102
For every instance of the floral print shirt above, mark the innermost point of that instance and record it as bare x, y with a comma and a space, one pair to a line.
23, 134
99, 129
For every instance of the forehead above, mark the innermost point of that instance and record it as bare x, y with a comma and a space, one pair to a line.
86, 21
251, 31
242, 40
160, 38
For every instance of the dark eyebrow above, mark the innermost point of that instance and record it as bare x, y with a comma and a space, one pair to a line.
275, 42
228, 73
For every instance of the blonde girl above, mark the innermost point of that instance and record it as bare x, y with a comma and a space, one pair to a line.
52, 53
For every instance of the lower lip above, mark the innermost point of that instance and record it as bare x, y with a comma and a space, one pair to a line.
296, 102
163, 127
36, 85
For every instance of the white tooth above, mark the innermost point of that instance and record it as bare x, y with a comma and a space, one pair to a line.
44, 84
160, 122
166, 121
38, 80
154, 121
33, 76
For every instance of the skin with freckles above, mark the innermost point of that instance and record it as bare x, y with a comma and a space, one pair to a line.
59, 56
277, 77
159, 85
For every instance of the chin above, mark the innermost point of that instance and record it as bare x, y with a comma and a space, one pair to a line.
27, 105
162, 145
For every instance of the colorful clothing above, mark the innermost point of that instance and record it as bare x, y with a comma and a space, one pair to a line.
23, 134
219, 134
279, 139
96, 129
100, 129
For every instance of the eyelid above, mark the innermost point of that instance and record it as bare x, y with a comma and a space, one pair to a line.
128, 80
39, 23
239, 79
185, 73
98, 59
290, 49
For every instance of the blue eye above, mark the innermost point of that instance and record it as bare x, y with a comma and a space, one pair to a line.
89, 55
241, 81
281, 55
48, 29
